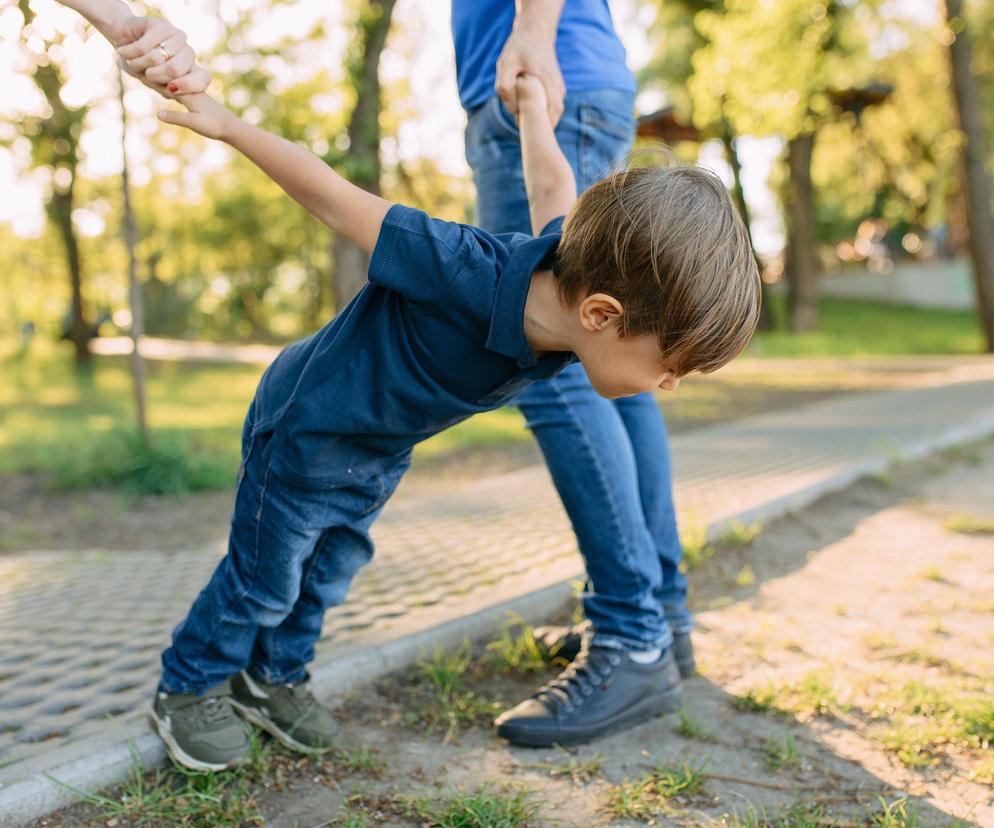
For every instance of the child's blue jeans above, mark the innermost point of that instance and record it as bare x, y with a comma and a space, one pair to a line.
609, 459
292, 553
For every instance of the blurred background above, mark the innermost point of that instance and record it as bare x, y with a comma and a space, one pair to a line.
860, 159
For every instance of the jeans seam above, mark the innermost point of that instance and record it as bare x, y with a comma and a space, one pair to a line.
309, 566
602, 479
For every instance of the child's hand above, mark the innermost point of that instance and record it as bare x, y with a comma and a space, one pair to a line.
531, 93
156, 52
204, 115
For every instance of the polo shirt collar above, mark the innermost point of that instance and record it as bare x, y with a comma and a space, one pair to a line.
507, 317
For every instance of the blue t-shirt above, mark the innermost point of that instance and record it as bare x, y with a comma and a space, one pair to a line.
436, 336
590, 54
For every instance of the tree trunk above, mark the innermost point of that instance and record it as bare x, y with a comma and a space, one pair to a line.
801, 264
60, 208
766, 321
130, 230
57, 136
362, 165
976, 179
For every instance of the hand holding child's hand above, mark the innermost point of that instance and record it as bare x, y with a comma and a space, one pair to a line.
156, 52
204, 115
531, 92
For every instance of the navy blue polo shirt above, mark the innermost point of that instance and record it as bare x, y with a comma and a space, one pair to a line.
436, 336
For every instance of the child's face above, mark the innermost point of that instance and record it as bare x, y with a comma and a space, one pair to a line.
620, 367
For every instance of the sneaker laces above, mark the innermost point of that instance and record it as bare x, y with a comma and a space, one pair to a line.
211, 711
301, 699
581, 678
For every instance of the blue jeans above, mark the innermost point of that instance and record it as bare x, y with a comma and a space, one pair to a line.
609, 459
292, 554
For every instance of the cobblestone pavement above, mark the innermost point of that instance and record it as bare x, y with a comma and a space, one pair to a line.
80, 632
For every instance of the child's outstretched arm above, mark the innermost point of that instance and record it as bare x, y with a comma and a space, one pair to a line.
341, 205
549, 178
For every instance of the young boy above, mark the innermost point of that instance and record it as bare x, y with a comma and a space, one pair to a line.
650, 276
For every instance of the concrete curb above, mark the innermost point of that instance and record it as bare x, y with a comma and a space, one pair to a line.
58, 778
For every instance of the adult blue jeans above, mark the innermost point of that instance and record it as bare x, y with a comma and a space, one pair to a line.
292, 554
609, 459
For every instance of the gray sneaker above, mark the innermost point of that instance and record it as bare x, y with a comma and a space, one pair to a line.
287, 711
201, 732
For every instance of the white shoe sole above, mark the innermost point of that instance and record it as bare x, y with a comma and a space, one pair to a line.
181, 757
254, 716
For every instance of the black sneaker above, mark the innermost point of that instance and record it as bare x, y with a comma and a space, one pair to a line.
562, 645
602, 691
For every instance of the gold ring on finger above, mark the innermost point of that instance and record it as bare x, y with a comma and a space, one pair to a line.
165, 52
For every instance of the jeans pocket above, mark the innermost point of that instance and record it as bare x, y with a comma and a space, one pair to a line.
605, 137
503, 119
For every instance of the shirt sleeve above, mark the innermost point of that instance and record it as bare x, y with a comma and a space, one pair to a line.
417, 255
554, 226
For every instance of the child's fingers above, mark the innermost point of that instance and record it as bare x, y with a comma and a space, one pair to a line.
175, 116
196, 81
176, 67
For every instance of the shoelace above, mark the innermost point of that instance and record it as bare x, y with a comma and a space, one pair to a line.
578, 682
301, 699
213, 711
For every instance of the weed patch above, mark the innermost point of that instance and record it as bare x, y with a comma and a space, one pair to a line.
479, 809
651, 794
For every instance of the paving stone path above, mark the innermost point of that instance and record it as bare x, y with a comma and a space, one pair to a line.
80, 632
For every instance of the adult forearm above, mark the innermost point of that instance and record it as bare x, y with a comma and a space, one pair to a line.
540, 17
105, 15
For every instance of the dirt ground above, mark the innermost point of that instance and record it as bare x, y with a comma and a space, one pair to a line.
846, 679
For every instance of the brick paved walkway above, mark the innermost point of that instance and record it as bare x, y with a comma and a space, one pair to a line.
80, 632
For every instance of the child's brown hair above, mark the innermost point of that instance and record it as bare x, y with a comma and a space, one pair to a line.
669, 245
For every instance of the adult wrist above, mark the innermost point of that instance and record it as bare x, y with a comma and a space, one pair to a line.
104, 15
539, 18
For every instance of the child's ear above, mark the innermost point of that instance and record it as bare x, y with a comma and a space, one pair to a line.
599, 311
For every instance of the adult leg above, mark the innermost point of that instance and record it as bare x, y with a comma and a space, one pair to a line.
572, 415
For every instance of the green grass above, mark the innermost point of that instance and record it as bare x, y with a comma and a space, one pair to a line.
649, 795
850, 328
49, 411
812, 695
478, 809
441, 697
697, 548
921, 721
180, 797
579, 770
516, 651
690, 728
780, 751
970, 525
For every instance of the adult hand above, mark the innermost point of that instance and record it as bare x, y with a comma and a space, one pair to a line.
153, 50
529, 52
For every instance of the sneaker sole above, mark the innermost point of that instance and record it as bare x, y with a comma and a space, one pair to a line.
267, 724
181, 757
668, 702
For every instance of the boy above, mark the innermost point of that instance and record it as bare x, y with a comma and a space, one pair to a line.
649, 277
